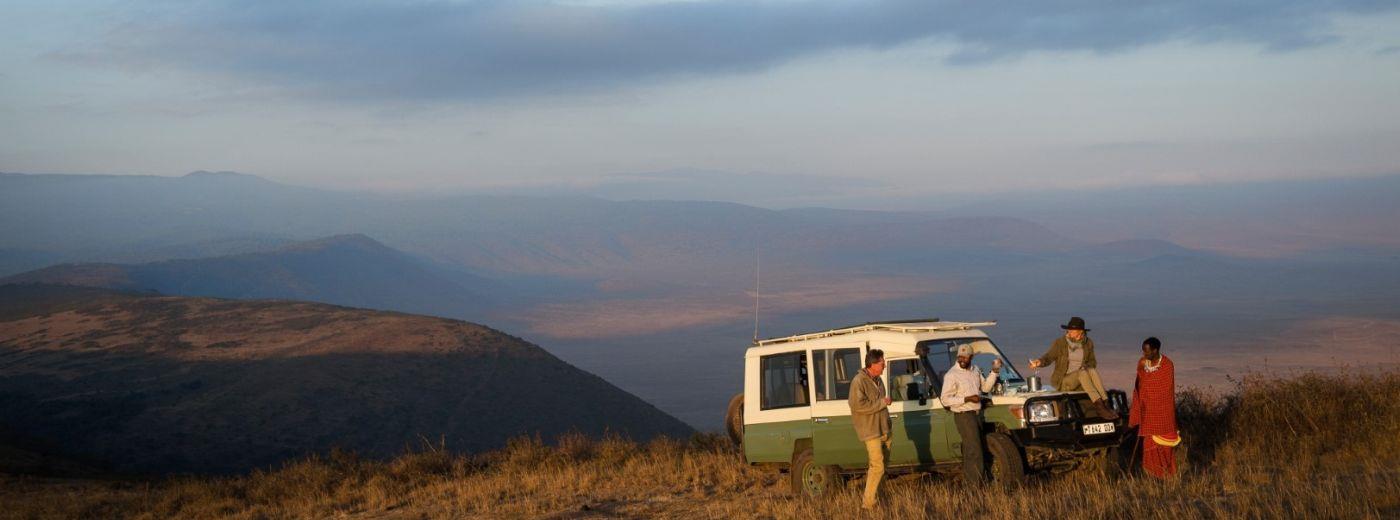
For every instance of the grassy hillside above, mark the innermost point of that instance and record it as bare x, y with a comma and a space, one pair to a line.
152, 384
1309, 446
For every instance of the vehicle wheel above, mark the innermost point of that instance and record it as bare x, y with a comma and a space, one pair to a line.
812, 480
734, 419
1008, 468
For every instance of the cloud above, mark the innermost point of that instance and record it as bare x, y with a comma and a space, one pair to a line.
1125, 146
429, 50
765, 189
771, 190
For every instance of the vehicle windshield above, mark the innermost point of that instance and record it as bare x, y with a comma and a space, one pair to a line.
942, 354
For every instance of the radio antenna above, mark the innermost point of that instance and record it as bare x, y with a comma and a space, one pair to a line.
757, 273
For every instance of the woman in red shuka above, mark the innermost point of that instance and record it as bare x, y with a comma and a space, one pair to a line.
1154, 410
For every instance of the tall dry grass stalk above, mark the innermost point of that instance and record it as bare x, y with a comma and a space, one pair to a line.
1311, 446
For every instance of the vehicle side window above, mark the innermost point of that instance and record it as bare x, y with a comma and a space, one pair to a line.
984, 359
908, 382
939, 357
783, 378
834, 370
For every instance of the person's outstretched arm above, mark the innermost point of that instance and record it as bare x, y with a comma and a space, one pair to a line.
1049, 357
989, 382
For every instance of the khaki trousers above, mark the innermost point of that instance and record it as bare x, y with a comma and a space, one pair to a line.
877, 450
1086, 378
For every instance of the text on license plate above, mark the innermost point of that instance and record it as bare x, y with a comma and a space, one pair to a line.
1095, 429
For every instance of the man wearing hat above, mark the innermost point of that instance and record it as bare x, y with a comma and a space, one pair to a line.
963, 387
1075, 366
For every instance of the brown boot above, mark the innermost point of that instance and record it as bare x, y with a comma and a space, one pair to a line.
1105, 410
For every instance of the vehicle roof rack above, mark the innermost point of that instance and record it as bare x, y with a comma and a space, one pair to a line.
920, 320
932, 325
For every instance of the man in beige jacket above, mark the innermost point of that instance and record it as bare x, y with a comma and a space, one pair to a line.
870, 415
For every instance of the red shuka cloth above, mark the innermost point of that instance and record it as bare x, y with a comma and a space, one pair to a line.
1154, 413
1157, 460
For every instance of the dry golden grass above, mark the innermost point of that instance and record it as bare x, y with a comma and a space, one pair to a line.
1312, 446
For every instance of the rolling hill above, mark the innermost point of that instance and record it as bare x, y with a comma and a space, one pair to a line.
352, 270
143, 383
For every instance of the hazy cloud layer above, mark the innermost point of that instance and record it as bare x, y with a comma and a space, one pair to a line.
768, 190
471, 50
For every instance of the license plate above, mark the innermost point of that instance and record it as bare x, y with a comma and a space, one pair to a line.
1096, 429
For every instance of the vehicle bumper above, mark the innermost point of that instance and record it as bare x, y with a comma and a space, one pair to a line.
1069, 435
1068, 432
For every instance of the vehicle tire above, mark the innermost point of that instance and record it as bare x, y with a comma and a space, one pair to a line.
734, 419
1008, 467
812, 480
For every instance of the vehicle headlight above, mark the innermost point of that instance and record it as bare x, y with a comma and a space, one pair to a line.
1041, 412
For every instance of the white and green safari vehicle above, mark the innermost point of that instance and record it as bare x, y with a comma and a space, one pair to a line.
794, 414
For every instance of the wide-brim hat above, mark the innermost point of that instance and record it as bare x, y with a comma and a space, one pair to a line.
1075, 323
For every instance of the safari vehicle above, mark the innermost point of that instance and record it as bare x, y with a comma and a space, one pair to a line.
794, 412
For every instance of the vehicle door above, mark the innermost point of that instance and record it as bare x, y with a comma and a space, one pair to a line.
937, 360
780, 413
914, 413
834, 438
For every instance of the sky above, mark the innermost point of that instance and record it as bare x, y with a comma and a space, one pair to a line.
778, 103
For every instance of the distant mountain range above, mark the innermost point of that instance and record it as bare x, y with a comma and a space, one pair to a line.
352, 270
652, 282
140, 383
1274, 219
46, 219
